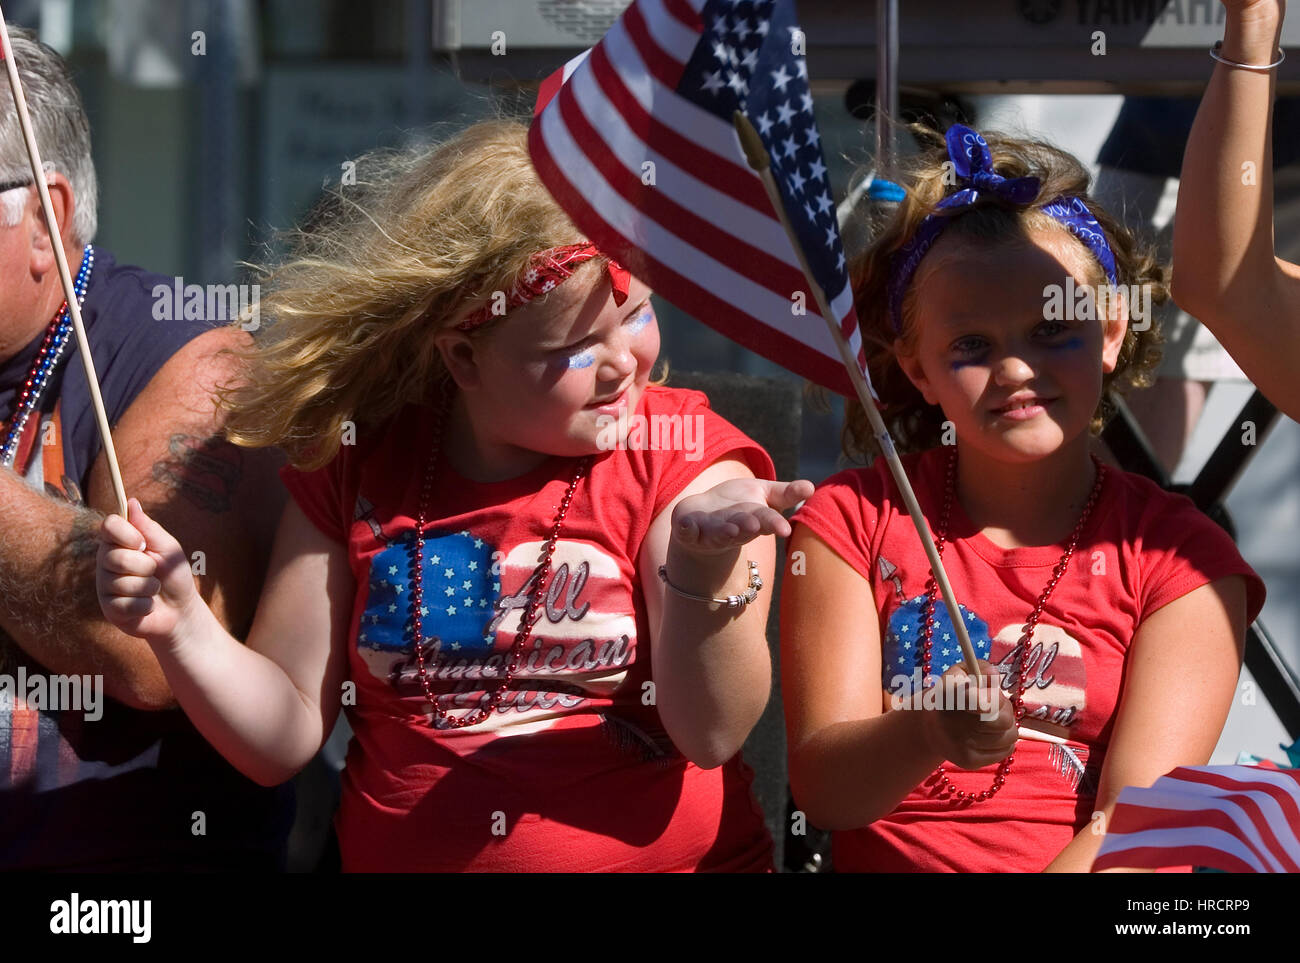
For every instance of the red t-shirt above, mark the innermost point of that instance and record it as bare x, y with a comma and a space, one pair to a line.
1142, 548
572, 772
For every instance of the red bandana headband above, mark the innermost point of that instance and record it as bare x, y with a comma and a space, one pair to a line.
547, 270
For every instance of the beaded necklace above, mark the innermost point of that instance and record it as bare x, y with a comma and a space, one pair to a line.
441, 718
1022, 649
47, 361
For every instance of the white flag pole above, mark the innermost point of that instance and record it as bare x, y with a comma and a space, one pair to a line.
756, 155
74, 309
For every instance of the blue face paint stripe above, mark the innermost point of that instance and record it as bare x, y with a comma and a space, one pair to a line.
1070, 344
637, 324
583, 359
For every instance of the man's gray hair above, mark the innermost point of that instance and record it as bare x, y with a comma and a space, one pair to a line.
59, 122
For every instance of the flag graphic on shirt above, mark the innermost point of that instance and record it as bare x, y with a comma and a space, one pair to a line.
1234, 818
1056, 688
901, 662
635, 141
473, 601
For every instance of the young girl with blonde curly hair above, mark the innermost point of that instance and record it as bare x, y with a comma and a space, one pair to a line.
549, 641
1108, 615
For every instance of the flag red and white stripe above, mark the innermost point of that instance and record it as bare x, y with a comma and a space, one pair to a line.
1235, 818
662, 185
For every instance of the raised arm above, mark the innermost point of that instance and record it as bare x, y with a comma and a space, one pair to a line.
267, 706
1179, 680
1225, 270
712, 668
851, 762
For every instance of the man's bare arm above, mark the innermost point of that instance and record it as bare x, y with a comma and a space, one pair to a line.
217, 499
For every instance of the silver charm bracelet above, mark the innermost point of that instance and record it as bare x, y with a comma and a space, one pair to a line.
730, 601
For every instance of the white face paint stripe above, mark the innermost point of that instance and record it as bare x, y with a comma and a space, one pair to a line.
586, 357
583, 359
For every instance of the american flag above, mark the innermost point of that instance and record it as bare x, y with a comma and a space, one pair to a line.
1234, 818
635, 141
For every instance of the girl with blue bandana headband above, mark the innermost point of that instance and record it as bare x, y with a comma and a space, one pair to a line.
1003, 305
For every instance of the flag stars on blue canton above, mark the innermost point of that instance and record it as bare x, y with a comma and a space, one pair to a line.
460, 572
747, 59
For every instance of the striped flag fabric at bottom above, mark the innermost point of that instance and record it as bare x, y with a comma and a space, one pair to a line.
1241, 819
635, 140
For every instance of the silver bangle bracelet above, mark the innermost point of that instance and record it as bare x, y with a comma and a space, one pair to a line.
730, 601
1214, 52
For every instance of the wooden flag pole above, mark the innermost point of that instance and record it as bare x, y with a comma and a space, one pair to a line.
756, 155
74, 309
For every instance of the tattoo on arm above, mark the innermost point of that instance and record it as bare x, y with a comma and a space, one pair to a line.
205, 470
63, 596
83, 539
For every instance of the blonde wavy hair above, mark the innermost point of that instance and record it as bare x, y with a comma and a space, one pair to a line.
915, 424
424, 236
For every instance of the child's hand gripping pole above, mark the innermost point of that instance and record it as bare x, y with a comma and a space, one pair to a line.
143, 579
74, 309
757, 157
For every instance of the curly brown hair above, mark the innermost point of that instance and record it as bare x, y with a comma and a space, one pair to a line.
915, 424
